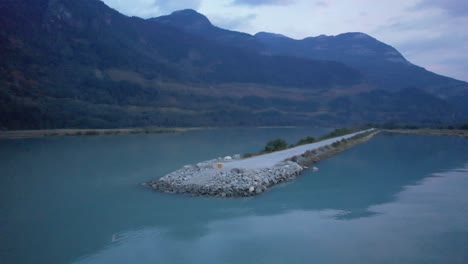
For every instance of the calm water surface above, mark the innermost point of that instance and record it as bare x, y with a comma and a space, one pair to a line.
394, 199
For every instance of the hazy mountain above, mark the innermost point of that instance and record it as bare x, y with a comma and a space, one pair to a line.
68, 63
190, 21
382, 64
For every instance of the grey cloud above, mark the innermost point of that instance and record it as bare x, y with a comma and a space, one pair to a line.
151, 8
436, 42
262, 2
233, 23
453, 7
169, 6
321, 4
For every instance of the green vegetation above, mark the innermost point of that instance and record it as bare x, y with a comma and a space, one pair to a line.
275, 145
136, 73
339, 132
281, 144
304, 141
418, 126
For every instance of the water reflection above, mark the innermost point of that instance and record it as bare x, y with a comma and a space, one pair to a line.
423, 224
78, 199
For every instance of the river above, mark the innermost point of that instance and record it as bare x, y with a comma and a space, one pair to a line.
394, 199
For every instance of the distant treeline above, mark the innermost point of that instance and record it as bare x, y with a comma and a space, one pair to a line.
396, 125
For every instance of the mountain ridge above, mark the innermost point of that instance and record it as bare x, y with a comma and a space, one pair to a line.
379, 54
82, 64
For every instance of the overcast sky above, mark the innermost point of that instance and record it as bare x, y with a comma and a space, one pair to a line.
429, 33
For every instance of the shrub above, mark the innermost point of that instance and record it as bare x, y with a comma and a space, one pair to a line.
339, 132
275, 145
306, 140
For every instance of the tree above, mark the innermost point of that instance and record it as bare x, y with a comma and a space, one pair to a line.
275, 145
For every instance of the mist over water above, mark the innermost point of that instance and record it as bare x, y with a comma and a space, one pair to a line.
394, 199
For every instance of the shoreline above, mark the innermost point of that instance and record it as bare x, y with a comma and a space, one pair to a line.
23, 134
429, 131
237, 177
39, 133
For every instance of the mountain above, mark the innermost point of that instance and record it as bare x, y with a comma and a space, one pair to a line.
190, 21
67, 63
384, 66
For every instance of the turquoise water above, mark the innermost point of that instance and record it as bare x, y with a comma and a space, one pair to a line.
394, 199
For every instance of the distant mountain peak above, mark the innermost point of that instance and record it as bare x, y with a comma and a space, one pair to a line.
355, 34
188, 17
263, 34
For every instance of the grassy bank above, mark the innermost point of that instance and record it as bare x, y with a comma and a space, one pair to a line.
87, 132
430, 131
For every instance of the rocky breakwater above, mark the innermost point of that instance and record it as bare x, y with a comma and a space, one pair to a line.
207, 179
236, 177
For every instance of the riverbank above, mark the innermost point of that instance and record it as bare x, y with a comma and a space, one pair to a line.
428, 131
17, 134
237, 177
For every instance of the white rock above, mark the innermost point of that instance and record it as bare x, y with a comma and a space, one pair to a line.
228, 158
251, 189
315, 169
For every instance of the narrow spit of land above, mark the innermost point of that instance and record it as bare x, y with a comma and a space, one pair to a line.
236, 177
429, 131
16, 134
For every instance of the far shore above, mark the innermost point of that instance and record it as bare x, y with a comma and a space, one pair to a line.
17, 134
429, 131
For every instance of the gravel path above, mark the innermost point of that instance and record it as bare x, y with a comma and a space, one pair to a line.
271, 159
250, 176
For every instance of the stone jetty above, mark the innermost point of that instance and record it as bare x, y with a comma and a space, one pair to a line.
233, 176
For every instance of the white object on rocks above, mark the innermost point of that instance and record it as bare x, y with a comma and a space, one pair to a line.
251, 189
228, 158
315, 169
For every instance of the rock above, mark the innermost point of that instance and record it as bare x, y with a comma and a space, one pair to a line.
235, 182
237, 171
